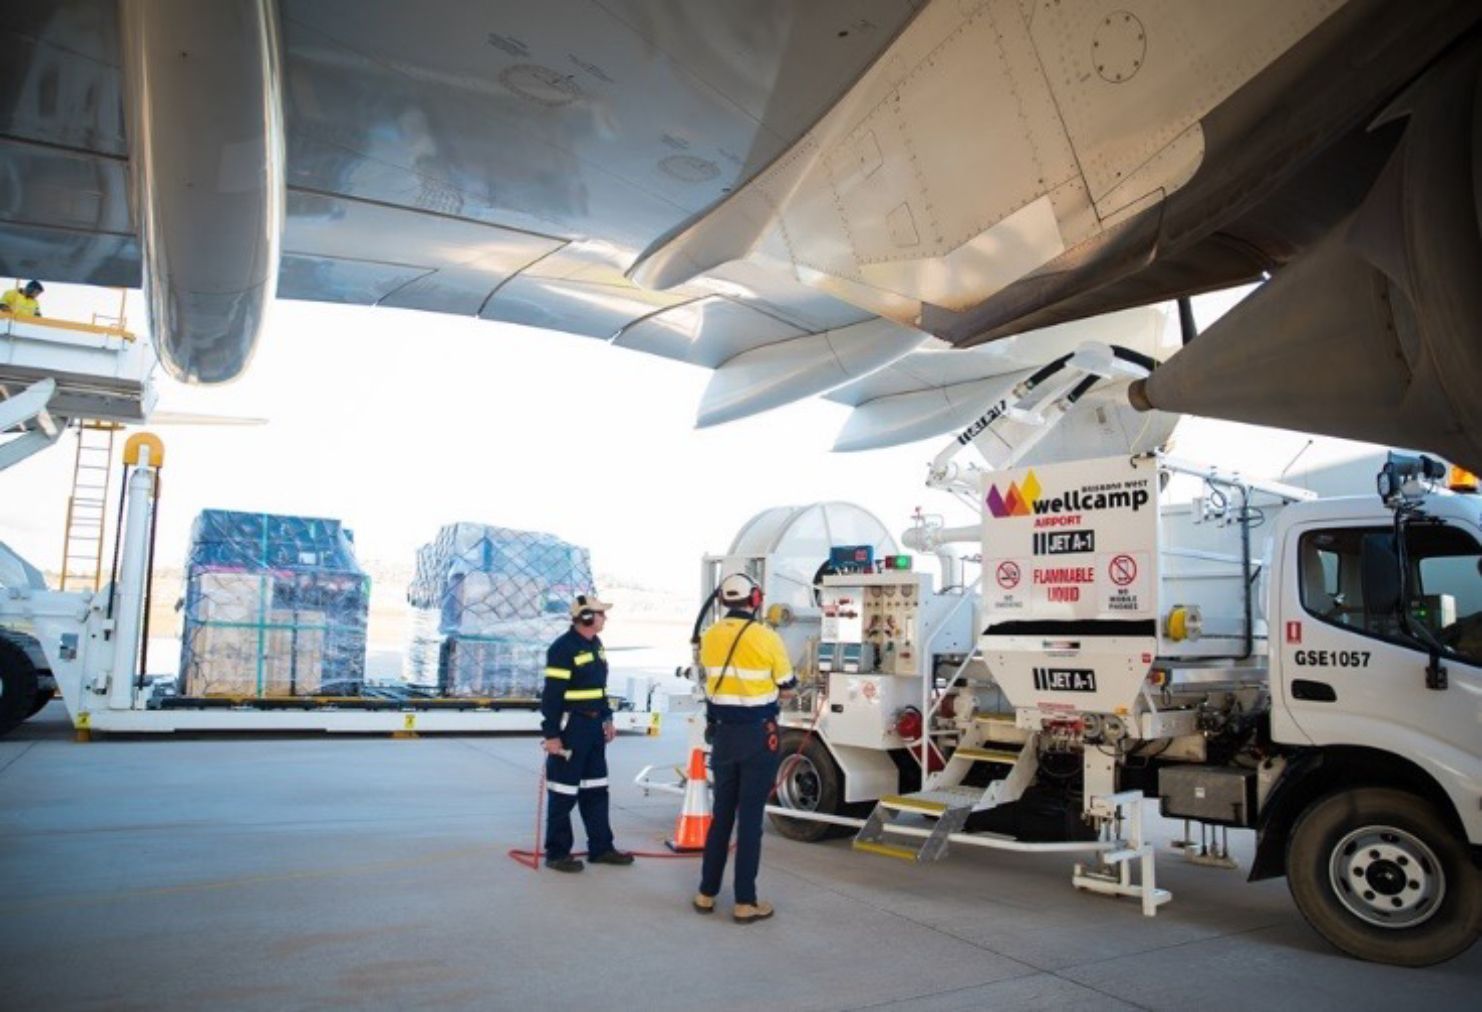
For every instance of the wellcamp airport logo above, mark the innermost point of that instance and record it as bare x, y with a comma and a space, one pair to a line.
1019, 501
1022, 500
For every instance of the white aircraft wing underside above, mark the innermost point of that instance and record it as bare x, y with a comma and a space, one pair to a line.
931, 392
503, 161
991, 138
798, 196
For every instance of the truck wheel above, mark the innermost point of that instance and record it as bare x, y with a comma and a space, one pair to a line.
1380, 876
43, 696
17, 686
810, 781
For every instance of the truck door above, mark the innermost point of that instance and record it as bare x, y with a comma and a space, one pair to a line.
1353, 673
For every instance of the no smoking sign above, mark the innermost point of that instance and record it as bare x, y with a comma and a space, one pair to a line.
1007, 575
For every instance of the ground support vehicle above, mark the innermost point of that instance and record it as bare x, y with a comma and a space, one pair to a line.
91, 640
85, 645
1248, 655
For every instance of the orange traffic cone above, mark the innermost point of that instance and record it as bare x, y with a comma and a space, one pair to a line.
694, 816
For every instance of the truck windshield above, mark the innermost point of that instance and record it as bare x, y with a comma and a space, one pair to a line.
1444, 585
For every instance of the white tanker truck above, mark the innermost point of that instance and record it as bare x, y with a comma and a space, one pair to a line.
1248, 654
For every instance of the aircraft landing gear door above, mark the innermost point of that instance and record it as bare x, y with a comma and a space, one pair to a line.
1352, 667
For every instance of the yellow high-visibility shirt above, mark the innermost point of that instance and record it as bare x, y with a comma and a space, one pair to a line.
19, 303
759, 666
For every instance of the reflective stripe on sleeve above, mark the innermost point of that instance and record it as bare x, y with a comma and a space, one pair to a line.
585, 693
560, 673
556, 788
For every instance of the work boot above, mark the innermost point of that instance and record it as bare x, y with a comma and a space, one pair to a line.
748, 912
704, 904
567, 863
611, 857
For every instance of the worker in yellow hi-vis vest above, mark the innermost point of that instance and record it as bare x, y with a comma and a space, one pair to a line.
22, 301
747, 671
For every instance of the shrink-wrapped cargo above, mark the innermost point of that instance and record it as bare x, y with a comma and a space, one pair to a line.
487, 601
274, 606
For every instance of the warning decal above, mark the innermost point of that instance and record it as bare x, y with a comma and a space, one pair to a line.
1007, 574
1065, 679
1070, 541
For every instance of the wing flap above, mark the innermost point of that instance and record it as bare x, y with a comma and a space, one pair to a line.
780, 373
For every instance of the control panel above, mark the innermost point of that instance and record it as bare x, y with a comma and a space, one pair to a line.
879, 623
880, 635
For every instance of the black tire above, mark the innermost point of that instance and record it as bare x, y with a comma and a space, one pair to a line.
1397, 852
17, 686
43, 696
812, 781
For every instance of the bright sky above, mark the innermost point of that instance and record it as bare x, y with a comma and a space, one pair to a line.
398, 422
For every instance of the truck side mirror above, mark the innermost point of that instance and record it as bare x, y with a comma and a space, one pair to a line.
1379, 571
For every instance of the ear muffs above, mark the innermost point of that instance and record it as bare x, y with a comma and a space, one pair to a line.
586, 616
755, 600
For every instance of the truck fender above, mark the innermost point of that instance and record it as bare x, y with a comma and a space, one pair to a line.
1280, 809
1317, 772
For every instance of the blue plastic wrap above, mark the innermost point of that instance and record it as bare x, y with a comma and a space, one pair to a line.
274, 606
487, 602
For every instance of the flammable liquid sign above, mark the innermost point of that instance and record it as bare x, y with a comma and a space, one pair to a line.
1070, 541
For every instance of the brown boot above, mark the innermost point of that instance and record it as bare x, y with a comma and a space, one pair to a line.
704, 904
748, 912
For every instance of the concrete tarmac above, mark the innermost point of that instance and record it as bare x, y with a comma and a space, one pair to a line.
275, 872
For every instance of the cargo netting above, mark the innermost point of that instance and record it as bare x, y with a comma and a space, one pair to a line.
487, 602
274, 606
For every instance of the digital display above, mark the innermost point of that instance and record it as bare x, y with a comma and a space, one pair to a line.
851, 558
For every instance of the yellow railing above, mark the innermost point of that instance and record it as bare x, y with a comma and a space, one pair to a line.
74, 325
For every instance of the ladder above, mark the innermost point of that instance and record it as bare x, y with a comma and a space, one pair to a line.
947, 801
82, 544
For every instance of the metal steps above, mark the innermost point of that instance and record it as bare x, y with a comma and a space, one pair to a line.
998, 729
987, 755
948, 806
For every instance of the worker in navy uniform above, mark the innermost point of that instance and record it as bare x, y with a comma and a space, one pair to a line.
747, 671
576, 753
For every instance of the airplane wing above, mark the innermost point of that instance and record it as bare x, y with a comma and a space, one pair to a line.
1006, 167
792, 194
502, 161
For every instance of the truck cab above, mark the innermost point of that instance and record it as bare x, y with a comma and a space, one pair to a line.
1371, 804
1352, 670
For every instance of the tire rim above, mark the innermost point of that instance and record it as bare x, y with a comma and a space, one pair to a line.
1387, 877
799, 786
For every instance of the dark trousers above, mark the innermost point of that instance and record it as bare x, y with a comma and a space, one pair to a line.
578, 781
744, 759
